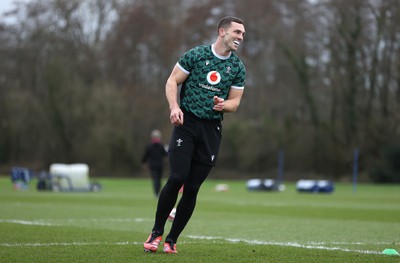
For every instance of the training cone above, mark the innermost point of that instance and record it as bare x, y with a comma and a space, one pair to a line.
390, 251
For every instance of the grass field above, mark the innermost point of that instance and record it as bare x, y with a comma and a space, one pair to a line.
231, 226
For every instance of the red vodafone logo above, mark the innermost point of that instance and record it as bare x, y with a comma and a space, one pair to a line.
213, 77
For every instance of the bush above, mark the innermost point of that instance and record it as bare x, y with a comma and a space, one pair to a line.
389, 170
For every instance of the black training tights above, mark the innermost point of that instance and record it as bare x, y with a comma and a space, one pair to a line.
156, 176
189, 173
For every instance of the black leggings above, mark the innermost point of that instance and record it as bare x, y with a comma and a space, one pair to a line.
156, 176
191, 174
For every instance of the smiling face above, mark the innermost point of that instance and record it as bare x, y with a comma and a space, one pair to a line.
232, 36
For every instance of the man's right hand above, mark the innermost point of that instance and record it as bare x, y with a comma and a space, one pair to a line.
176, 116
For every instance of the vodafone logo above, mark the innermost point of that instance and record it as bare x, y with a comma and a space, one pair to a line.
213, 77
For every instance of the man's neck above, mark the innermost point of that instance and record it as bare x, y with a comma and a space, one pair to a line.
220, 50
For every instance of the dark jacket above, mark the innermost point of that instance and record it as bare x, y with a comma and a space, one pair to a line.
154, 154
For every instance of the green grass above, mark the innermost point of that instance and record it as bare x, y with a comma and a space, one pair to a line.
232, 226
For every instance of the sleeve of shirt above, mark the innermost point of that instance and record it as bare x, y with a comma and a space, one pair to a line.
186, 61
145, 155
240, 79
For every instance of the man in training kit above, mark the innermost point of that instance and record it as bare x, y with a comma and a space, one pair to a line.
212, 79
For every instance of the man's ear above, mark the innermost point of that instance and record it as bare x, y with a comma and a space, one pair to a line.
221, 31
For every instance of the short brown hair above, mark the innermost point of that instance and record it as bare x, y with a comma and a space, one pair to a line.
226, 21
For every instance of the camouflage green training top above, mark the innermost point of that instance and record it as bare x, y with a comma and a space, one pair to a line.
209, 75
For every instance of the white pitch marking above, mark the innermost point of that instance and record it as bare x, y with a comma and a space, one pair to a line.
285, 244
67, 244
26, 222
311, 245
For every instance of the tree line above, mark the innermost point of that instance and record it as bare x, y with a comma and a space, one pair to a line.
83, 81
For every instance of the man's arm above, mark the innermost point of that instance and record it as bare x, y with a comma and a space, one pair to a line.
176, 78
231, 104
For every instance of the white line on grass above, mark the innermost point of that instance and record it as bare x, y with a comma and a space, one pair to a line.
66, 244
285, 244
40, 222
252, 242
310, 245
25, 222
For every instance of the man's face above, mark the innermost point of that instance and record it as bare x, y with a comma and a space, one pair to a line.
233, 36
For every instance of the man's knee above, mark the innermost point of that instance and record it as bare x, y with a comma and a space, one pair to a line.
175, 181
191, 189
